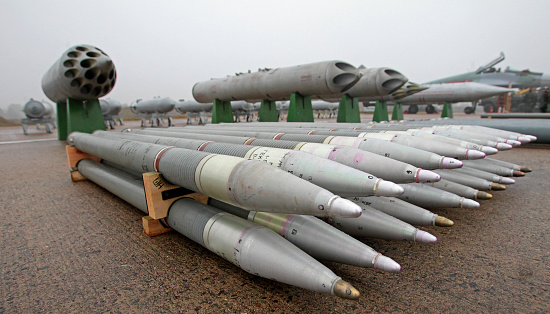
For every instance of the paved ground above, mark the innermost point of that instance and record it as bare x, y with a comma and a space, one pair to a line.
74, 247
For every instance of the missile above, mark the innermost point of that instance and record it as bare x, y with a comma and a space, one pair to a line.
248, 184
376, 224
448, 92
383, 167
253, 248
406, 212
83, 72
508, 165
471, 181
315, 237
430, 197
460, 189
335, 177
485, 175
313, 79
185, 106
35, 109
496, 169
155, 105
110, 106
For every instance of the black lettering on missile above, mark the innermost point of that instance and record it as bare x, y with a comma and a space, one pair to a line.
294, 231
173, 193
370, 177
387, 154
360, 228
321, 207
409, 172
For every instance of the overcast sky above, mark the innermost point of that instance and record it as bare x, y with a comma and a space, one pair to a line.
161, 48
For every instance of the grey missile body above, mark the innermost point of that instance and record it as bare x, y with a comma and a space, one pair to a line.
83, 72
404, 211
255, 249
335, 177
469, 180
315, 237
313, 79
496, 169
460, 190
523, 138
453, 141
474, 137
485, 175
508, 165
430, 197
245, 183
380, 166
376, 224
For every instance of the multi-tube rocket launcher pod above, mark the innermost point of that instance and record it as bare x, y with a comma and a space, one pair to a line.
83, 72
313, 79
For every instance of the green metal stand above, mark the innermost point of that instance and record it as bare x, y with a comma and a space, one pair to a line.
268, 111
300, 109
348, 110
397, 113
447, 110
78, 116
380, 111
221, 112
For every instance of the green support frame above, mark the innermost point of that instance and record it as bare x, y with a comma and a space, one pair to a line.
380, 111
300, 109
78, 116
268, 111
447, 110
348, 110
221, 112
397, 113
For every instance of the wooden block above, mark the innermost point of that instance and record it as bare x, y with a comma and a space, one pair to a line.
74, 156
77, 176
160, 194
153, 227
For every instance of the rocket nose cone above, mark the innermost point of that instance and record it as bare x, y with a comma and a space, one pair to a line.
345, 208
507, 181
451, 163
427, 176
387, 264
503, 146
532, 137
524, 139
468, 203
489, 150
387, 188
474, 154
424, 237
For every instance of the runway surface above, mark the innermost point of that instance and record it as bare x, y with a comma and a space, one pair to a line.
74, 247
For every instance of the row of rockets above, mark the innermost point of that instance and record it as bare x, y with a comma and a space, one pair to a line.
318, 185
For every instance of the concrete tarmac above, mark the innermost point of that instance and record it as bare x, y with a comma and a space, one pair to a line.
74, 247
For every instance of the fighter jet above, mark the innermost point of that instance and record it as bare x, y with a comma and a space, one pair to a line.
488, 74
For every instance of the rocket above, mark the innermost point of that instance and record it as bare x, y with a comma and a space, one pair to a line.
155, 105
430, 197
460, 189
